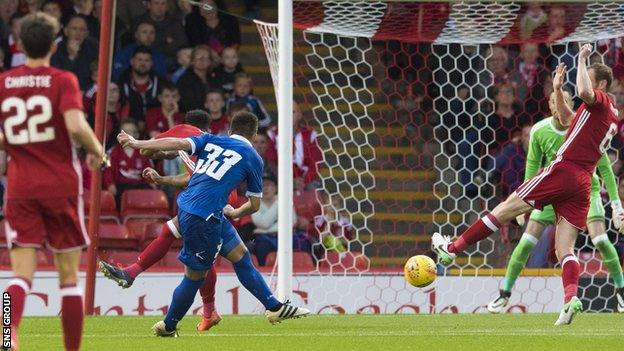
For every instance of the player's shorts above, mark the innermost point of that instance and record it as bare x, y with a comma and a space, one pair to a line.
563, 185
596, 211
205, 239
58, 223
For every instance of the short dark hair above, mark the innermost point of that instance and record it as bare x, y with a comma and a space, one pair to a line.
602, 72
142, 49
128, 120
238, 106
141, 22
37, 33
214, 91
198, 118
244, 123
166, 86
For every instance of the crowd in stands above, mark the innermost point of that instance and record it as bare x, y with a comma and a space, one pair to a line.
169, 58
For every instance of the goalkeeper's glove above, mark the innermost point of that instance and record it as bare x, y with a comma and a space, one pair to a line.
520, 219
617, 215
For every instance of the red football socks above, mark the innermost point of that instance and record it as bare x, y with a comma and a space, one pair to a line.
72, 315
478, 231
207, 292
153, 253
18, 288
570, 276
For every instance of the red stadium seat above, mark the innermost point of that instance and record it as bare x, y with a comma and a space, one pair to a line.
302, 261
144, 204
137, 227
307, 205
116, 236
3, 240
153, 230
108, 207
345, 261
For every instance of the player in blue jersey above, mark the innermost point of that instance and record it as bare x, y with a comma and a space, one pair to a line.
223, 163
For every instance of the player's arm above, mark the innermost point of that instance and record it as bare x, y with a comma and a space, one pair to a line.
164, 144
583, 83
608, 177
79, 129
561, 104
251, 206
179, 181
534, 157
1, 141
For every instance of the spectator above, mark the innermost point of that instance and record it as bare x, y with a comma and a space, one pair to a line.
31, 6
556, 23
17, 57
170, 35
497, 66
162, 118
127, 165
76, 51
144, 35
54, 9
84, 8
140, 85
506, 120
265, 222
306, 153
509, 162
333, 226
212, 28
2, 65
128, 10
528, 71
261, 144
242, 93
237, 107
227, 69
220, 123
122, 35
533, 18
183, 58
194, 83
117, 111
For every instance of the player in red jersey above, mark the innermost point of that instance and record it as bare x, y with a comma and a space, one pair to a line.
40, 114
197, 122
565, 184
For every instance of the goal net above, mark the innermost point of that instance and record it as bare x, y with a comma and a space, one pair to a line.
414, 105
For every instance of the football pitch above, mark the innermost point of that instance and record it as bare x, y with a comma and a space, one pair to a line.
342, 332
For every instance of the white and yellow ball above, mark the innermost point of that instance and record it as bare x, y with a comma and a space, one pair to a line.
419, 271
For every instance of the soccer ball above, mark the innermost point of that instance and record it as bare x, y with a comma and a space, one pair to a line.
419, 271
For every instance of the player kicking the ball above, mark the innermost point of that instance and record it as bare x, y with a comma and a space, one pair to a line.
546, 138
197, 123
41, 113
565, 183
223, 163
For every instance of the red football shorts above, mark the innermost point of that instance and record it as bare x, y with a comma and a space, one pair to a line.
563, 185
58, 223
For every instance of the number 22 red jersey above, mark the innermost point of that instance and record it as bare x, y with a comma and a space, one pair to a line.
42, 161
591, 132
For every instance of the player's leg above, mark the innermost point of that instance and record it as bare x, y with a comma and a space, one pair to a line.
565, 238
610, 259
25, 233
67, 236
72, 314
481, 229
153, 253
202, 240
235, 251
520, 256
209, 315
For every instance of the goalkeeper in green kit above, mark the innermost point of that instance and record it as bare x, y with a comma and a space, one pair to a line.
546, 138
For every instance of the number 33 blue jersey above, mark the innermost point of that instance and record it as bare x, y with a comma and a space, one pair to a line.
223, 162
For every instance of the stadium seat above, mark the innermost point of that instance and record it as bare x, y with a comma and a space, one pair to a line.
3, 240
116, 236
138, 227
302, 261
108, 207
144, 204
307, 205
152, 230
345, 261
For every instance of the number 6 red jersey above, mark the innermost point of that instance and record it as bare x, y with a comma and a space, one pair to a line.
591, 132
42, 161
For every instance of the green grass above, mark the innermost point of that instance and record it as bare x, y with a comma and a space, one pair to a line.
343, 332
